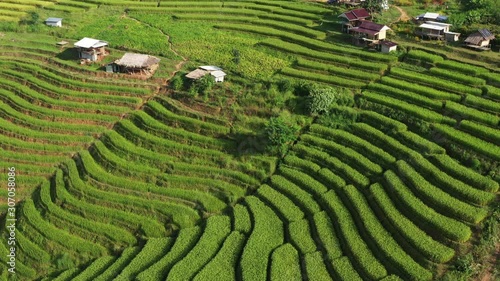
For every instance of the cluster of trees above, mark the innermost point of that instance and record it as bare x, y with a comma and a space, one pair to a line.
476, 12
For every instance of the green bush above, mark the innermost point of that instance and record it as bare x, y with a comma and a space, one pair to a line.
317, 77
449, 184
267, 235
333, 164
305, 181
327, 235
223, 265
71, 242
473, 114
390, 249
372, 152
301, 237
453, 168
482, 103
241, 220
114, 269
280, 133
420, 144
423, 215
429, 248
440, 200
95, 268
285, 264
301, 164
423, 56
458, 77
364, 259
343, 267
429, 92
315, 267
408, 108
348, 155
300, 197
185, 241
405, 96
382, 122
154, 249
431, 81
216, 230
321, 99
330, 179
461, 67
284, 205
475, 144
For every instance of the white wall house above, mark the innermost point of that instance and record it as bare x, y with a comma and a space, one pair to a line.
54, 22
91, 49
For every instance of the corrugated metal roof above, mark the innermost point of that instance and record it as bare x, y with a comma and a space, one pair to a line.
373, 26
53, 20
210, 67
432, 26
218, 73
430, 15
356, 14
476, 37
90, 43
486, 34
388, 43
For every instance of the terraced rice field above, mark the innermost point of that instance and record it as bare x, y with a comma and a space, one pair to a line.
119, 179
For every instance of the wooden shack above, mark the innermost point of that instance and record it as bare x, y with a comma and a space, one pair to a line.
480, 40
388, 46
91, 49
138, 64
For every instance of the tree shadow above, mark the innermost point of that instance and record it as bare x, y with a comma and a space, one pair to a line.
249, 143
68, 54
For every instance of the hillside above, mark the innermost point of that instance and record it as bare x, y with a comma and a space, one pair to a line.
118, 178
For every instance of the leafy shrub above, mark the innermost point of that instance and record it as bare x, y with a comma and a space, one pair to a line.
285, 264
280, 133
315, 267
267, 234
321, 98
428, 247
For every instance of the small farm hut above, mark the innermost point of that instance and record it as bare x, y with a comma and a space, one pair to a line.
451, 36
54, 22
201, 71
480, 40
136, 64
388, 46
433, 30
431, 17
353, 18
91, 49
370, 32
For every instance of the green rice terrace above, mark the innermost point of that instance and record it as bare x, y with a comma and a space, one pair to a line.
105, 176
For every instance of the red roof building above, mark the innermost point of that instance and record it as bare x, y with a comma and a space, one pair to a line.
370, 30
353, 18
355, 15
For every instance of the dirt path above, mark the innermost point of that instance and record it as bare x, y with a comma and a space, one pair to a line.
403, 17
178, 67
